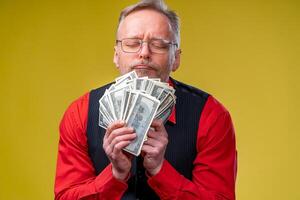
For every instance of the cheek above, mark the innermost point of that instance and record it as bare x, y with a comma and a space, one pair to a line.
167, 63
124, 61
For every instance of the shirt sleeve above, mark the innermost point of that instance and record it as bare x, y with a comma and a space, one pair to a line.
214, 170
75, 175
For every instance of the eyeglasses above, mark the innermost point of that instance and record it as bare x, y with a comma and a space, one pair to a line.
134, 45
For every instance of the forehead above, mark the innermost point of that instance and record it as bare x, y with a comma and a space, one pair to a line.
146, 23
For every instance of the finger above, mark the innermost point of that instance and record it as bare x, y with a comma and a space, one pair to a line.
117, 152
147, 149
158, 125
118, 148
153, 134
118, 139
108, 149
115, 125
158, 144
118, 132
129, 155
113, 149
151, 142
157, 134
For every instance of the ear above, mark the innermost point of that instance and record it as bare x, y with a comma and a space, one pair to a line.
177, 60
116, 57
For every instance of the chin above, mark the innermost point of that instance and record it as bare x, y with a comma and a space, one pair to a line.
146, 72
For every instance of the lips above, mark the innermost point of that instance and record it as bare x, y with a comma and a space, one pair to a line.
142, 67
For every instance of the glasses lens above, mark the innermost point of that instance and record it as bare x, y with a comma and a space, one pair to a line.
159, 46
131, 45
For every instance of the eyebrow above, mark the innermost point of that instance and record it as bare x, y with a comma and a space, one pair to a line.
159, 38
153, 38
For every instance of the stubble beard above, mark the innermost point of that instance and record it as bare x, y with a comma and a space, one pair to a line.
151, 70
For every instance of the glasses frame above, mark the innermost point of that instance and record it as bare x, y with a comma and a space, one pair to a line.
148, 42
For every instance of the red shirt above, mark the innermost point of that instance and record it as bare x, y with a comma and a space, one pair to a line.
214, 167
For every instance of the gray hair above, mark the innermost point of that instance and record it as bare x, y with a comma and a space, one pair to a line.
160, 7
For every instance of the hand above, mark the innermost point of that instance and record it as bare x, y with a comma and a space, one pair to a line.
117, 137
154, 148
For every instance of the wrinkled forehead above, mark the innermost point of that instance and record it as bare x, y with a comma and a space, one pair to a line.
145, 23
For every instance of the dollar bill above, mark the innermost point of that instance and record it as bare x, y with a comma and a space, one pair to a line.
136, 100
140, 118
115, 98
168, 101
107, 105
129, 76
132, 97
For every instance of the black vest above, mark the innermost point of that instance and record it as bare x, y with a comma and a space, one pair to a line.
181, 149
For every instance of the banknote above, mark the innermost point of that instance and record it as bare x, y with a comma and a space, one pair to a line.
129, 76
136, 100
140, 118
115, 98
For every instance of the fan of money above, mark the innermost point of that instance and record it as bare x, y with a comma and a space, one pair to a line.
137, 101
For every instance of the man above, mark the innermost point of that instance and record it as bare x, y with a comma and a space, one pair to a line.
192, 156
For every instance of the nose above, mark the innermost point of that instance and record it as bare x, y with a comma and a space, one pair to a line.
145, 51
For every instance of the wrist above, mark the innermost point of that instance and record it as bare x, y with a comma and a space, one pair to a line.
121, 176
153, 172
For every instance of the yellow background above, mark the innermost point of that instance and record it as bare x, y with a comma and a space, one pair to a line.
245, 53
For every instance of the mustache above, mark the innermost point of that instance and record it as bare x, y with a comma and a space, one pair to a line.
144, 62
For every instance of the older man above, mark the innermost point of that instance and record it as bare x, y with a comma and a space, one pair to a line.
192, 156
